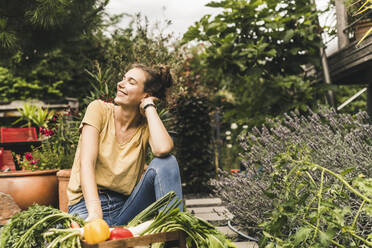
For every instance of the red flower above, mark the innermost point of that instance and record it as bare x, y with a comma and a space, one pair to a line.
48, 132
28, 156
35, 161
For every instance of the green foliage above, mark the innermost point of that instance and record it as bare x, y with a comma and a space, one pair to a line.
14, 87
193, 142
140, 43
257, 50
307, 181
25, 229
344, 92
57, 151
34, 114
53, 43
313, 211
42, 25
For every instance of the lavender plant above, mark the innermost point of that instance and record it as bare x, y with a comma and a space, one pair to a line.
279, 194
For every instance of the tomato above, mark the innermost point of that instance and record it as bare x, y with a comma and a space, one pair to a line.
96, 231
120, 233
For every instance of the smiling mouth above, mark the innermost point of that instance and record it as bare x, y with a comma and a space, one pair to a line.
121, 92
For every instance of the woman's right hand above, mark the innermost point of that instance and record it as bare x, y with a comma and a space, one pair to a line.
94, 210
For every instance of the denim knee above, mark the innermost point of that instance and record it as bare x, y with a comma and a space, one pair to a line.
165, 165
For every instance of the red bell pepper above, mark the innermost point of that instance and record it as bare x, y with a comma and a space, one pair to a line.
120, 233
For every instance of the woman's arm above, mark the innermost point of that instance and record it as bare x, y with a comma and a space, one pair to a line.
160, 141
88, 157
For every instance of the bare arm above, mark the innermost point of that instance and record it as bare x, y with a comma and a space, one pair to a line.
160, 141
88, 155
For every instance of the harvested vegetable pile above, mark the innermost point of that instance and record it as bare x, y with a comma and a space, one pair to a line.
25, 229
41, 226
199, 232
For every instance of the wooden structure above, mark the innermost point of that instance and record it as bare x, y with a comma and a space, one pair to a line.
353, 65
10, 109
173, 239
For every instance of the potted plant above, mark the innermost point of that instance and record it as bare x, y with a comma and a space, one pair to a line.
366, 30
36, 115
360, 18
37, 181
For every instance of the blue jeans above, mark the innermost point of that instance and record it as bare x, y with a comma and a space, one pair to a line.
161, 176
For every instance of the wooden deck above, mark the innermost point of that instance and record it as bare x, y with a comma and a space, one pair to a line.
352, 65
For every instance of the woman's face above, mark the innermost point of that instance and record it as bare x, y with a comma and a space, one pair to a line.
130, 88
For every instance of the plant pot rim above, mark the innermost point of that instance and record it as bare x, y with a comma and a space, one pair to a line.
28, 173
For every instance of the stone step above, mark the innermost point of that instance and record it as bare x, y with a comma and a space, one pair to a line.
227, 231
202, 210
211, 217
203, 202
246, 244
222, 211
211, 210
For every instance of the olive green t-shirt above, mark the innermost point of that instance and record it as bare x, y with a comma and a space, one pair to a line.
119, 166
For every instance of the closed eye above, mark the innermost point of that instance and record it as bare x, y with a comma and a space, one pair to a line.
130, 80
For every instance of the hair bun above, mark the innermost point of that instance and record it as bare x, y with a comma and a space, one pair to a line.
165, 76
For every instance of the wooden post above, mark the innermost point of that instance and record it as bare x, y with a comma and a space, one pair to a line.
343, 39
326, 72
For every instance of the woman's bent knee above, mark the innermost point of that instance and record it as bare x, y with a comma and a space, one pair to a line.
166, 164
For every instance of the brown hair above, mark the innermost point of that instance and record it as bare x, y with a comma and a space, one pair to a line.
158, 81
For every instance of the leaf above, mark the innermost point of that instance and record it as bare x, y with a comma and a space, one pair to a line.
368, 209
348, 170
288, 35
324, 238
302, 235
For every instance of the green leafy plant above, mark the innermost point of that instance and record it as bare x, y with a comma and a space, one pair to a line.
193, 144
307, 181
25, 229
257, 50
34, 114
312, 205
58, 151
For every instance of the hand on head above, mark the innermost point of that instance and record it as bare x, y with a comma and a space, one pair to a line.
146, 101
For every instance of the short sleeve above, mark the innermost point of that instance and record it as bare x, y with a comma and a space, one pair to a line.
94, 115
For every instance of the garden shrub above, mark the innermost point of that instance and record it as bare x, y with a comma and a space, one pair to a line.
58, 151
13, 87
307, 183
192, 124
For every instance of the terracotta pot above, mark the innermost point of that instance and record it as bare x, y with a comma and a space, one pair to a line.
29, 187
63, 179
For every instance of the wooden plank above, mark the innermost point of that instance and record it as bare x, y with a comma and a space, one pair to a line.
142, 240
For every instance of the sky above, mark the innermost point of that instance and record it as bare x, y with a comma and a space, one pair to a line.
182, 13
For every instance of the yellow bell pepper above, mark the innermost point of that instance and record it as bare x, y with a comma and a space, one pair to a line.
96, 231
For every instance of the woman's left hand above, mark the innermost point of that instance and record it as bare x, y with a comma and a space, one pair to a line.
145, 101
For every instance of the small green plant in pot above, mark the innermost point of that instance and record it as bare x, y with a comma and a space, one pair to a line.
58, 151
36, 115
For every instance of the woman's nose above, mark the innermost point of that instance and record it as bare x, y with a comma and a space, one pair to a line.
121, 83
